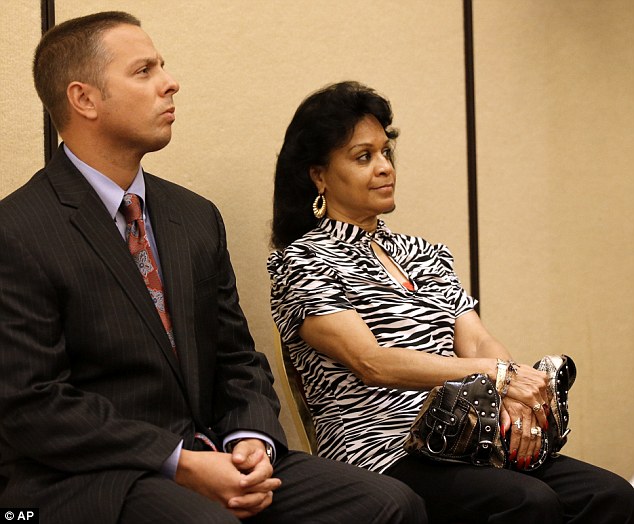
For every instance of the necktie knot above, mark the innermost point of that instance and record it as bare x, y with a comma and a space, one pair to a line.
131, 207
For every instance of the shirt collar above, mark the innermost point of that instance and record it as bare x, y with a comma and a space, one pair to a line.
109, 192
353, 234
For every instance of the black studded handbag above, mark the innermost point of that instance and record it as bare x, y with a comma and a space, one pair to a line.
460, 420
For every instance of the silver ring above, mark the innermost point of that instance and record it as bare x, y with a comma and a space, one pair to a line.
536, 431
518, 424
537, 407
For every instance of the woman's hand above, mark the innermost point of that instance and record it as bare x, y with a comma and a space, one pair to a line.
519, 420
523, 410
530, 387
527, 394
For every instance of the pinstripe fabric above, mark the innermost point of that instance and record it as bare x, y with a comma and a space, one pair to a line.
91, 395
314, 490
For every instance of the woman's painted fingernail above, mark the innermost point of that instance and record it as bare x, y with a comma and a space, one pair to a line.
536, 456
503, 431
520, 463
513, 454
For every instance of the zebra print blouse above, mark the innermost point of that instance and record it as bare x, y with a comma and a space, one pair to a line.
333, 268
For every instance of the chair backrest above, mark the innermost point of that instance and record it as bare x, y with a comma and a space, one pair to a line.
293, 387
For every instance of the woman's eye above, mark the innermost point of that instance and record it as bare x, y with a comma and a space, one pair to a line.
364, 157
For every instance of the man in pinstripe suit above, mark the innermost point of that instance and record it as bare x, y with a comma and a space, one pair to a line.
103, 416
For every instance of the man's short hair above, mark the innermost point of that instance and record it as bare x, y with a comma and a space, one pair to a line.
73, 51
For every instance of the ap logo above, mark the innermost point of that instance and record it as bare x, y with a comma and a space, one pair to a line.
19, 515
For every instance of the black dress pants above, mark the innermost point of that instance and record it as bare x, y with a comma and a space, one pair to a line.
564, 490
314, 490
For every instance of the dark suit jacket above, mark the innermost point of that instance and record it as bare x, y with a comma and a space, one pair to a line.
91, 394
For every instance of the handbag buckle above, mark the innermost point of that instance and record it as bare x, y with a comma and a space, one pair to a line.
428, 443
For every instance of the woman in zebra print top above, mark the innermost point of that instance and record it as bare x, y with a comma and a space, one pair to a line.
371, 319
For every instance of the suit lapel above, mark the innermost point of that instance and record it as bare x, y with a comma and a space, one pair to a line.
99, 231
178, 281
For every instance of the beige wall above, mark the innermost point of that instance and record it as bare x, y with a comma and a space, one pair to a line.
555, 123
244, 66
21, 143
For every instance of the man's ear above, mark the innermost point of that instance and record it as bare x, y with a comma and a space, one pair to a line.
317, 176
81, 99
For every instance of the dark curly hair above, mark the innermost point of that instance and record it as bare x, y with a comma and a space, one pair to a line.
324, 121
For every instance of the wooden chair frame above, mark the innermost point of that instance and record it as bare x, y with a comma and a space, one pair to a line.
293, 387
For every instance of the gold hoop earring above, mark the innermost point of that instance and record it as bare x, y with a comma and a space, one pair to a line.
319, 208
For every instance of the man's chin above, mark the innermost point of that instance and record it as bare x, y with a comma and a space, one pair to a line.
159, 144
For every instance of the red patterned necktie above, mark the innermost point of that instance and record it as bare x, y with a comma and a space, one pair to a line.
144, 258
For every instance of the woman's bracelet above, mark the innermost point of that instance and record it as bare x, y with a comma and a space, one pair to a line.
505, 373
502, 369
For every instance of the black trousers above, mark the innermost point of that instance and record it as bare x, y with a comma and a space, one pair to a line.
314, 490
564, 490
